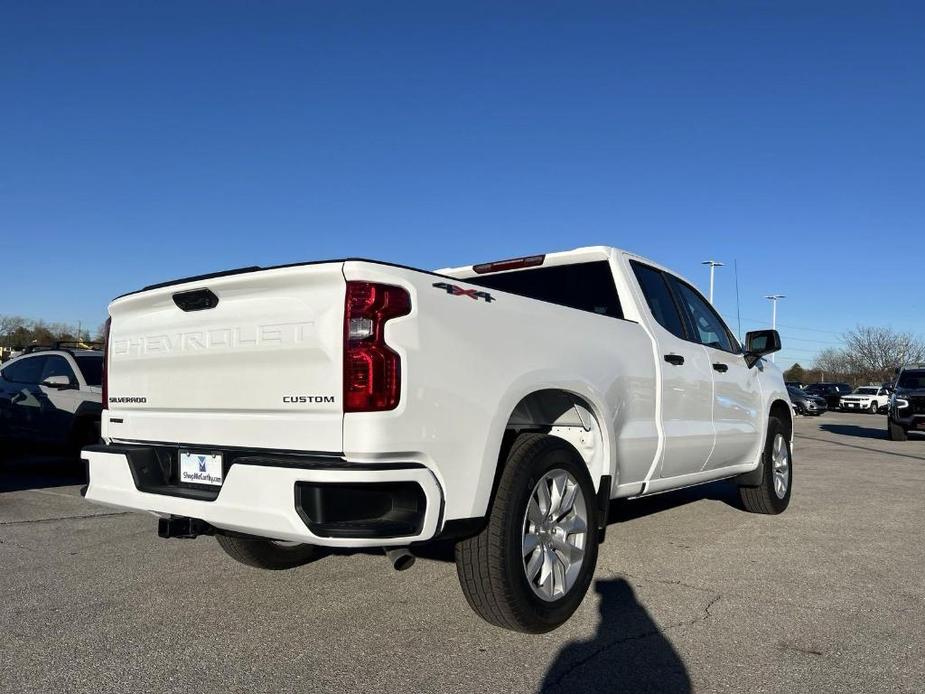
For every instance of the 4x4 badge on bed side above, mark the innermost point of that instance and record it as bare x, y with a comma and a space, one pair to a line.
456, 290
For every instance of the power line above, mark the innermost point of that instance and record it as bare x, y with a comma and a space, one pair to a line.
794, 327
806, 339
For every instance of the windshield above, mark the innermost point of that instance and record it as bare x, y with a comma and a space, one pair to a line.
92, 369
818, 388
795, 392
912, 380
866, 391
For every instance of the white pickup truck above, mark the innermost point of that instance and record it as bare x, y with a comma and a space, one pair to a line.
501, 406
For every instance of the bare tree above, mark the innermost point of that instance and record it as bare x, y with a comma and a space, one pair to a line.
881, 350
833, 361
870, 355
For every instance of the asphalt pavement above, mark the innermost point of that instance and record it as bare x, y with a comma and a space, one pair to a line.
690, 594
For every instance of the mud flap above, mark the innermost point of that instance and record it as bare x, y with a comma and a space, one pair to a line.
753, 478
603, 507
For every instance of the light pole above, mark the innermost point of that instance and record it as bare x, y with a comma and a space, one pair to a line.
774, 298
713, 265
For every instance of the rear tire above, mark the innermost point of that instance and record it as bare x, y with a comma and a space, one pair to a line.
874, 408
772, 496
266, 554
897, 432
85, 432
530, 567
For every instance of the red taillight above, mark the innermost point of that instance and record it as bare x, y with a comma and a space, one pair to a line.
105, 376
372, 371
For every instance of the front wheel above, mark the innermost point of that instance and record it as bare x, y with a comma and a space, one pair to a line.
897, 433
874, 408
530, 567
772, 496
274, 555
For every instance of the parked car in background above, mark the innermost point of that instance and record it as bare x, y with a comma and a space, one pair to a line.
806, 403
799, 385
52, 396
871, 399
907, 405
832, 392
501, 406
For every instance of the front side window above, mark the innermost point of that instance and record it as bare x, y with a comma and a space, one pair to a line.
28, 371
912, 380
56, 365
709, 328
658, 297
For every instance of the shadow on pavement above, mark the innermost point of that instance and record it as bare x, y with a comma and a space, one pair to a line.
36, 469
855, 430
621, 511
628, 652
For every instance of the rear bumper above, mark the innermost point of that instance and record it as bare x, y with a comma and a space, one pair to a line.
265, 496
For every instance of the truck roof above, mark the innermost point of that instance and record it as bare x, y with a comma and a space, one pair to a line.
576, 255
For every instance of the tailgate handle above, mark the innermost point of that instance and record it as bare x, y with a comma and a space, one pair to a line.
195, 300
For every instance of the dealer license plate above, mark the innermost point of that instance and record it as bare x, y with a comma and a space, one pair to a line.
201, 468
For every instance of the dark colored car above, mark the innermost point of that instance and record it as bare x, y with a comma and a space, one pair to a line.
805, 403
907, 406
52, 396
832, 392
795, 384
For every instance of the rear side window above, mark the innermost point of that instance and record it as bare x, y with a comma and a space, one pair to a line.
658, 297
585, 286
25, 370
91, 368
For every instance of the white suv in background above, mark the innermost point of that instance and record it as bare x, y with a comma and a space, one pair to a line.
870, 399
52, 396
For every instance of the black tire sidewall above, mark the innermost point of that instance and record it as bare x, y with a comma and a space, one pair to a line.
775, 427
266, 554
548, 615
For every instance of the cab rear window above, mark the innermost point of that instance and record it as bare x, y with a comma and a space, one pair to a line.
585, 286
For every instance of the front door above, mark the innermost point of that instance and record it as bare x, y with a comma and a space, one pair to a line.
737, 415
22, 400
58, 403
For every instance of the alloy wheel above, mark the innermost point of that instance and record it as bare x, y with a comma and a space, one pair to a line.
555, 529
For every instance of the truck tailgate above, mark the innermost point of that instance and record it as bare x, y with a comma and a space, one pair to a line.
262, 368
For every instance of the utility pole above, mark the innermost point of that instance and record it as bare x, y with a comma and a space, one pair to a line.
713, 265
774, 298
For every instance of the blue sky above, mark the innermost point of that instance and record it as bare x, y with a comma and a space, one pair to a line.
145, 141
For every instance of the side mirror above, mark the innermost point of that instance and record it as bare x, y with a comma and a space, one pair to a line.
758, 343
58, 382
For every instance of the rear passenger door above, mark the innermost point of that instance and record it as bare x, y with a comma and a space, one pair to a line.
686, 378
737, 415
